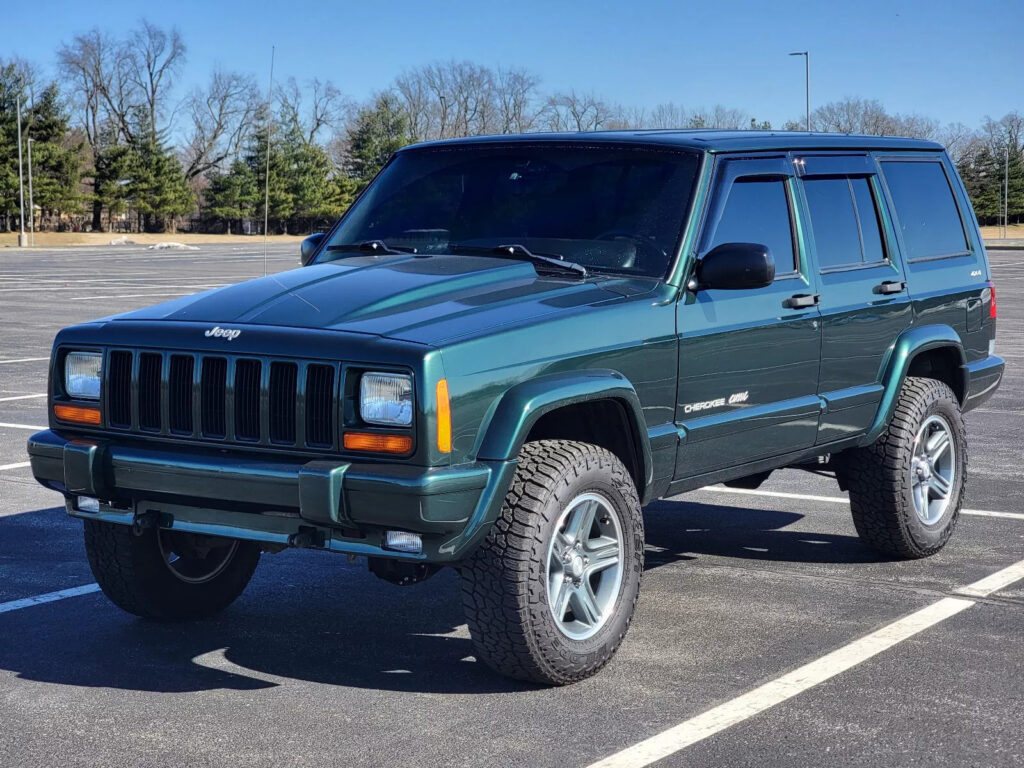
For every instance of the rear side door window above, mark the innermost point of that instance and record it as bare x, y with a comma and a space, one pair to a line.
926, 211
844, 218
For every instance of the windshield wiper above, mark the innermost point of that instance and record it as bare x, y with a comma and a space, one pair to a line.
522, 253
372, 246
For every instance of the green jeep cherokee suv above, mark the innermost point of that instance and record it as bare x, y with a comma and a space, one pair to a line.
509, 345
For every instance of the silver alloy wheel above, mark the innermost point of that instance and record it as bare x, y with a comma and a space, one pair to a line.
584, 566
933, 469
185, 565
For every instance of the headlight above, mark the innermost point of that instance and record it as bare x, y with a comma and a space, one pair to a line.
82, 375
386, 398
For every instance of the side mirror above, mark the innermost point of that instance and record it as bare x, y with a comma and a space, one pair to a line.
735, 267
310, 245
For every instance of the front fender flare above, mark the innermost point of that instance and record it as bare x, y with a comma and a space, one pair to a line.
909, 345
522, 405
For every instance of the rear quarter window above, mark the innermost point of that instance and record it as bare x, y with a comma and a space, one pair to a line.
925, 209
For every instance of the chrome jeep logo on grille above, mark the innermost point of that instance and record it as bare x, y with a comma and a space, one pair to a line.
223, 333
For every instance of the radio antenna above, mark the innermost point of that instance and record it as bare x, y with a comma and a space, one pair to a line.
266, 185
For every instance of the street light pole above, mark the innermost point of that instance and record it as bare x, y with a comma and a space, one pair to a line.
1006, 190
807, 83
31, 203
21, 180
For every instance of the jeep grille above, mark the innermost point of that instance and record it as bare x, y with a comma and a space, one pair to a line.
222, 398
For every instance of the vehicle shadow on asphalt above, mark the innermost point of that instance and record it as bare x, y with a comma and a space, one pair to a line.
678, 530
314, 617
307, 616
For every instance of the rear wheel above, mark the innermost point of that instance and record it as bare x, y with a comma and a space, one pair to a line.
906, 489
167, 574
550, 593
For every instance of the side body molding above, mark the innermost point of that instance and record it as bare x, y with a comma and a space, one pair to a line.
523, 404
910, 343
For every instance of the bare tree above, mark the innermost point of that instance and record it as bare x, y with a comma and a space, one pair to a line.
23, 75
417, 101
1003, 133
667, 115
867, 116
221, 115
957, 138
153, 58
574, 111
328, 107
515, 91
94, 63
449, 99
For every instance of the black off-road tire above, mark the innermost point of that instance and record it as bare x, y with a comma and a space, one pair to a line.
879, 476
504, 591
131, 571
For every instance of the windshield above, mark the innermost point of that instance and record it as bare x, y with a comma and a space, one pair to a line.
609, 208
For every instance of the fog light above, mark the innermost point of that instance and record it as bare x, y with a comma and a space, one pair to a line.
401, 541
87, 504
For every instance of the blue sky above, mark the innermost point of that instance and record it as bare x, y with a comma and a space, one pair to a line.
955, 61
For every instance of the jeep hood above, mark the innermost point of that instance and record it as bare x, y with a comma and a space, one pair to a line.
422, 299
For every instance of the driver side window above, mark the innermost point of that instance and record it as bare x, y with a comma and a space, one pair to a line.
757, 210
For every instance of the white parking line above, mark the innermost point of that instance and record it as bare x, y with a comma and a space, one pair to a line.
23, 360
840, 500
18, 465
783, 688
995, 582
49, 597
130, 296
19, 397
7, 425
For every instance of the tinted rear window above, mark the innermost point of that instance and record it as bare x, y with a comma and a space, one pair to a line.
925, 209
757, 211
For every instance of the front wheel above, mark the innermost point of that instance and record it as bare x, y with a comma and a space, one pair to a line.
167, 574
550, 593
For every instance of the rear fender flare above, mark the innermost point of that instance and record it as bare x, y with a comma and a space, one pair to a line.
909, 345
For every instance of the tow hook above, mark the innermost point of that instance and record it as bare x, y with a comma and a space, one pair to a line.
151, 519
307, 538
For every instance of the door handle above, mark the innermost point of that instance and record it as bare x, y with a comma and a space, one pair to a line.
802, 301
891, 286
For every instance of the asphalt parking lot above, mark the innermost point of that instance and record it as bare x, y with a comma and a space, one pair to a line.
767, 635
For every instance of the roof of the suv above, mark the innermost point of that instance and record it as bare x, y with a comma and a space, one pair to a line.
711, 141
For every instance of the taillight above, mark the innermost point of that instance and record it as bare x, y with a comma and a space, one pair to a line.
992, 300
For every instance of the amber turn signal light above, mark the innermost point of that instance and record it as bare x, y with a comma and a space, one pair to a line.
444, 418
76, 414
371, 443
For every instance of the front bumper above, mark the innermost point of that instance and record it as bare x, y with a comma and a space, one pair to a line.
325, 504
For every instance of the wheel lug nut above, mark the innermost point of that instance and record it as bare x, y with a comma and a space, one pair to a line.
578, 545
